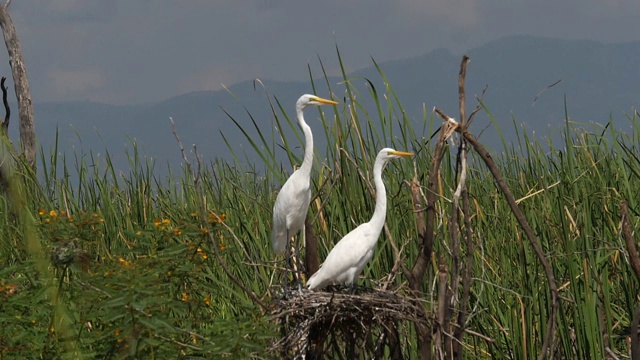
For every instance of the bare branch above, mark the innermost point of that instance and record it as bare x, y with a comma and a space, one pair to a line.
7, 109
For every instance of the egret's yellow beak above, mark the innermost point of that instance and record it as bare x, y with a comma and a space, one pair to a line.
400, 153
325, 101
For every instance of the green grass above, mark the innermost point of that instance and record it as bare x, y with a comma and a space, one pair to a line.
126, 265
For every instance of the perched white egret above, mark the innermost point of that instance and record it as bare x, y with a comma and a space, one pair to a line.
347, 259
292, 203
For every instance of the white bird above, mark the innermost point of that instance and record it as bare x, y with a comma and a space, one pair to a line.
347, 259
292, 202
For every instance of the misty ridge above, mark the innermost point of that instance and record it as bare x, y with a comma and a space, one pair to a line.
599, 82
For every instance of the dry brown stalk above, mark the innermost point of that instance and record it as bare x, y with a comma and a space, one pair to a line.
553, 288
634, 260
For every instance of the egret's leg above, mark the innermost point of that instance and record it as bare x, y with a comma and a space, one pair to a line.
298, 263
286, 265
354, 286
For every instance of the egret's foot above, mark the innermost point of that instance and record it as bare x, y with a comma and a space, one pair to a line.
353, 288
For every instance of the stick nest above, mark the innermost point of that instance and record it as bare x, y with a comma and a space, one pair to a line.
318, 323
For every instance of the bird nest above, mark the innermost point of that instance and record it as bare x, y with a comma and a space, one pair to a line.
340, 324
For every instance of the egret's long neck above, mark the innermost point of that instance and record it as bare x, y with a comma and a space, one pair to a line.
308, 146
380, 213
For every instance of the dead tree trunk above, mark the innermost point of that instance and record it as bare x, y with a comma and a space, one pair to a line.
21, 83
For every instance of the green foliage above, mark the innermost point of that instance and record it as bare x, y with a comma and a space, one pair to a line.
131, 266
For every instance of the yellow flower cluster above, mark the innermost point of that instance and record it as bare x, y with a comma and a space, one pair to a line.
116, 333
202, 253
55, 215
216, 218
213, 217
165, 225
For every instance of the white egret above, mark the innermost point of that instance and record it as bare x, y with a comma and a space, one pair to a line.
347, 259
292, 202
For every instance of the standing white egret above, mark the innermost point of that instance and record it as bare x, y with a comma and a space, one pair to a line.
292, 203
347, 259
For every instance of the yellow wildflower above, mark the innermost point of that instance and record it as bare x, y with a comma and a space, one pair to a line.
138, 232
53, 213
41, 212
166, 222
207, 300
216, 218
177, 232
124, 263
202, 253
184, 297
156, 222
116, 332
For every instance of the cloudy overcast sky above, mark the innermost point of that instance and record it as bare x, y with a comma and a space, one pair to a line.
132, 51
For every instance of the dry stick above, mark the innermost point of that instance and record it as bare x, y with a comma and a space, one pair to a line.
311, 254
466, 281
425, 235
635, 341
555, 298
634, 260
203, 215
440, 333
453, 222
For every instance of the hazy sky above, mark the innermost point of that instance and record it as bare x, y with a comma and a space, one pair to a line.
131, 51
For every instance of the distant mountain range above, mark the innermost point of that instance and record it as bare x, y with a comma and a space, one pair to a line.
599, 81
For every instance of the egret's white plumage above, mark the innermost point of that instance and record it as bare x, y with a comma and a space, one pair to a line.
292, 202
347, 259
